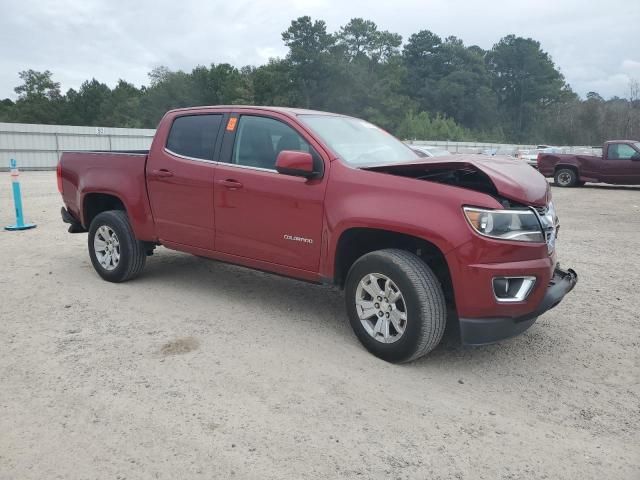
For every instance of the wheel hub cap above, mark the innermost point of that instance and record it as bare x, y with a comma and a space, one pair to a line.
106, 246
381, 308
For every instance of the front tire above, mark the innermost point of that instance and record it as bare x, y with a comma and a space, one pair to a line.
115, 252
566, 177
395, 304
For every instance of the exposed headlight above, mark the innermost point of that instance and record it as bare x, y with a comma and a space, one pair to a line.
518, 225
549, 218
550, 225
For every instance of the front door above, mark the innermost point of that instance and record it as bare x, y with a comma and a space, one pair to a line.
622, 164
180, 181
261, 214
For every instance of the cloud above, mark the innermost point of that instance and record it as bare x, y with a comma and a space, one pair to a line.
631, 67
81, 39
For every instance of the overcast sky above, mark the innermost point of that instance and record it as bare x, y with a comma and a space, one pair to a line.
595, 43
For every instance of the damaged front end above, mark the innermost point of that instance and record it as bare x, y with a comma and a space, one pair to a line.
456, 174
500, 177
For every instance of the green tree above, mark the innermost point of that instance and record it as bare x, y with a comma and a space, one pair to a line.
358, 37
425, 127
39, 98
421, 57
168, 90
463, 87
122, 107
273, 84
37, 85
526, 82
228, 85
386, 45
513, 92
449, 78
215, 85
84, 107
6, 110
366, 56
310, 64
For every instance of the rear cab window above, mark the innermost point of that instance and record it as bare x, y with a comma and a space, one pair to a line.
194, 136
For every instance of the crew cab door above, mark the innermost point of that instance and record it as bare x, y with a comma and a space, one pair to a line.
262, 214
621, 164
180, 176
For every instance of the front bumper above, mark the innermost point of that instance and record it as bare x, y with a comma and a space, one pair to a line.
482, 331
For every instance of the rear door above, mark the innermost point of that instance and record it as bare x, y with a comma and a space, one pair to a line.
260, 213
180, 179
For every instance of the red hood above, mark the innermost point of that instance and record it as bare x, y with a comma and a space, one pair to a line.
513, 179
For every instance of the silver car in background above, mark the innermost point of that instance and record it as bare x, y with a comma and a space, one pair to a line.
430, 151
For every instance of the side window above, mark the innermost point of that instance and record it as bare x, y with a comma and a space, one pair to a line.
259, 140
194, 136
621, 151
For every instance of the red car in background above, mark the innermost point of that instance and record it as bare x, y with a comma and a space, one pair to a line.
618, 164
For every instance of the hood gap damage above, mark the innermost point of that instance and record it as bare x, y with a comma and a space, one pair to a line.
457, 175
512, 183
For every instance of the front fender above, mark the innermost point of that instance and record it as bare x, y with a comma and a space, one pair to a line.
425, 210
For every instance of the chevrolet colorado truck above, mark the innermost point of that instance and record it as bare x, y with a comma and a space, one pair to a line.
330, 199
618, 164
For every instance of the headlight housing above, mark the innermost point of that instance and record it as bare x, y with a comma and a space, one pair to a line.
516, 225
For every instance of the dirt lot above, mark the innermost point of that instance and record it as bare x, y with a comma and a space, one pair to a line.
205, 370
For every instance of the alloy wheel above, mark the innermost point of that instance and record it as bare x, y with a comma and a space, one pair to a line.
381, 308
106, 247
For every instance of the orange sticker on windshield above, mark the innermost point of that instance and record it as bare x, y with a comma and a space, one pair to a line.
231, 126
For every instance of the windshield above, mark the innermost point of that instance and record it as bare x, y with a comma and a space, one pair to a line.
358, 142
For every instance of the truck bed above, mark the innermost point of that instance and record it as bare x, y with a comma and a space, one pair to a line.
547, 161
114, 173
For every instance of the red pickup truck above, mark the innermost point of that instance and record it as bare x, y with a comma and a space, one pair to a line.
618, 164
330, 199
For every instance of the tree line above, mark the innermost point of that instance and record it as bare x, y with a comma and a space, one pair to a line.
425, 88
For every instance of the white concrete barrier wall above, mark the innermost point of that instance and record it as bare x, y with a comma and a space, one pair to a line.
471, 147
38, 147
503, 148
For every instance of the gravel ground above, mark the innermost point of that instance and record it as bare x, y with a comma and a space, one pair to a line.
205, 370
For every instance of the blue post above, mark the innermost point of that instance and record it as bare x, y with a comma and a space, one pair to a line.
17, 200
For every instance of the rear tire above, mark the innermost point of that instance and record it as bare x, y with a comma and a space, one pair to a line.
566, 177
115, 252
409, 291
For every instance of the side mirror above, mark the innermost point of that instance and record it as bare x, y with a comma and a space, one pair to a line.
298, 164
